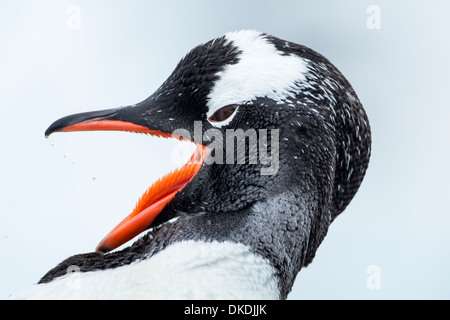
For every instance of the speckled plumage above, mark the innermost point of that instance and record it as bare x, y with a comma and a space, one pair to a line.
324, 152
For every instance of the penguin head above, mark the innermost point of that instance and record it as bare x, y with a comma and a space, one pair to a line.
210, 84
303, 111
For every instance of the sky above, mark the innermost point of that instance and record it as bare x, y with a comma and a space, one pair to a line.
60, 196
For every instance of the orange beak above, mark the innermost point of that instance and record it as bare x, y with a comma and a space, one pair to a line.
156, 197
153, 202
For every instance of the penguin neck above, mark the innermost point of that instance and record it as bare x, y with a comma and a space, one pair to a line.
282, 218
285, 230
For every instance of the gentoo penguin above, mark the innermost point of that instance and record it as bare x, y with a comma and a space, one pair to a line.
229, 224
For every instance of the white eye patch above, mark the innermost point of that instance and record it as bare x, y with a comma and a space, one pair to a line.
262, 71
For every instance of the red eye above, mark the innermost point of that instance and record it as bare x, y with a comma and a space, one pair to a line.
223, 113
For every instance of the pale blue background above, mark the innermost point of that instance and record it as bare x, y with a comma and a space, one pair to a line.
60, 196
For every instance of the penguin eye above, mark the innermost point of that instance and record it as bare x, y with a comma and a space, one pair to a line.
223, 113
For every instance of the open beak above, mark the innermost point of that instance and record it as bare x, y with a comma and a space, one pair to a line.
157, 196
